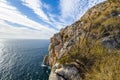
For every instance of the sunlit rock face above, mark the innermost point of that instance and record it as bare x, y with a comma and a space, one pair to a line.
64, 72
100, 24
61, 46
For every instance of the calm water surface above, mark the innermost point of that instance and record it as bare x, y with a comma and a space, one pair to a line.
22, 59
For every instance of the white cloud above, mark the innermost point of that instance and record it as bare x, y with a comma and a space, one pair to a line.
36, 6
72, 10
94, 2
3, 5
46, 6
7, 31
11, 14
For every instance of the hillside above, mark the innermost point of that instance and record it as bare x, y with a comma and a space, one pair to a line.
89, 49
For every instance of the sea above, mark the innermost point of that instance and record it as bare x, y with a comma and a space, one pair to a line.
21, 59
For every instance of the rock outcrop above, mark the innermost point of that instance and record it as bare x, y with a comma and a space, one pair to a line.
64, 72
46, 60
76, 50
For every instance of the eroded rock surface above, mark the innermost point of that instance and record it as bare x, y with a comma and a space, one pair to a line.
100, 23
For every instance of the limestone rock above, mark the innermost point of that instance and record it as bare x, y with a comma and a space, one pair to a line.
101, 23
62, 72
45, 60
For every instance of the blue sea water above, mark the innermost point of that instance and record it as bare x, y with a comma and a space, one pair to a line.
22, 59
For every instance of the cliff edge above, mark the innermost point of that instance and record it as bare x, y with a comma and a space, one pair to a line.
89, 49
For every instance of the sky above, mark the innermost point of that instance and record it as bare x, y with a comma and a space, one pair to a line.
39, 19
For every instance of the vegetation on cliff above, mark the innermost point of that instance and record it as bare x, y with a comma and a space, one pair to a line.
94, 47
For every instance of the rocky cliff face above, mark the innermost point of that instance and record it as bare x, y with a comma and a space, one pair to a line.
78, 51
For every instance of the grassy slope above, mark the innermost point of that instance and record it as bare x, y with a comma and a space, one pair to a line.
93, 60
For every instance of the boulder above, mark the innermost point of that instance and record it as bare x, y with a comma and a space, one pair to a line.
64, 72
110, 42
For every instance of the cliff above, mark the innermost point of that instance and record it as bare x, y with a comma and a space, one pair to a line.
89, 49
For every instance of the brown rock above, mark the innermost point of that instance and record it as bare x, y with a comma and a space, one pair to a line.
45, 60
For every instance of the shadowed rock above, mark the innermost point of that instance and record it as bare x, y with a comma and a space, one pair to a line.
45, 60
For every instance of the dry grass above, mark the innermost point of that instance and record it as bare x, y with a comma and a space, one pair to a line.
94, 60
105, 68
